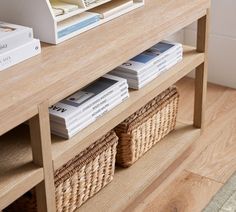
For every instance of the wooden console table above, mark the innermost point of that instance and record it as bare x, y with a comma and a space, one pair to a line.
28, 158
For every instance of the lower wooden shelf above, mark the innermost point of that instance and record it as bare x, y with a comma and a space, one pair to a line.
63, 150
18, 174
129, 183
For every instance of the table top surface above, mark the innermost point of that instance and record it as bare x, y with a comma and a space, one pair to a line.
62, 69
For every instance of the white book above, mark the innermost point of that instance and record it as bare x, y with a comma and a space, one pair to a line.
91, 107
162, 69
100, 113
12, 36
166, 67
19, 54
150, 56
89, 119
81, 117
84, 106
80, 101
144, 72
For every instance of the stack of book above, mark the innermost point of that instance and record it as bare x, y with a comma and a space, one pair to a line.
84, 107
16, 44
142, 69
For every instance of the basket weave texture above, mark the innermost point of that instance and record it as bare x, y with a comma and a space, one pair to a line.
138, 133
80, 178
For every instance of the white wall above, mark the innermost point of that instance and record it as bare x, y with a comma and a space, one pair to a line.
222, 42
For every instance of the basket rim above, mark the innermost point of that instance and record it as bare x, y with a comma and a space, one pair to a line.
144, 113
90, 153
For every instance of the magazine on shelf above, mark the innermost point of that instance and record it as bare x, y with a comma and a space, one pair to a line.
96, 113
76, 23
85, 98
88, 113
12, 36
137, 83
106, 108
150, 56
112, 7
19, 54
155, 67
162, 69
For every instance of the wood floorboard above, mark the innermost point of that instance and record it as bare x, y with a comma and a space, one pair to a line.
212, 161
218, 160
189, 192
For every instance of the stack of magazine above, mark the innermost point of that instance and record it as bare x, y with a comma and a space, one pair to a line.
16, 44
145, 67
84, 107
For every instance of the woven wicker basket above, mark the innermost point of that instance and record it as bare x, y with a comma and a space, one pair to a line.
79, 179
138, 133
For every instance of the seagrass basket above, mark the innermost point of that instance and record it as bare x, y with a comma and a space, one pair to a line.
80, 178
138, 133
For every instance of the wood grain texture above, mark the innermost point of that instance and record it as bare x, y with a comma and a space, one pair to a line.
42, 156
189, 192
217, 95
18, 174
218, 160
215, 149
61, 70
64, 150
201, 72
212, 156
130, 183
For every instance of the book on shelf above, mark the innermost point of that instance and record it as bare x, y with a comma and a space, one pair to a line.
86, 98
82, 108
76, 23
88, 110
20, 54
60, 7
145, 67
149, 57
75, 128
143, 82
12, 36
156, 67
112, 7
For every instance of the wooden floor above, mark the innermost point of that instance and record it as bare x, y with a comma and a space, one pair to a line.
212, 162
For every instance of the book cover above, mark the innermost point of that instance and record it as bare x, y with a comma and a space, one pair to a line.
139, 75
106, 108
79, 101
80, 117
12, 36
89, 117
19, 54
137, 84
150, 56
162, 70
